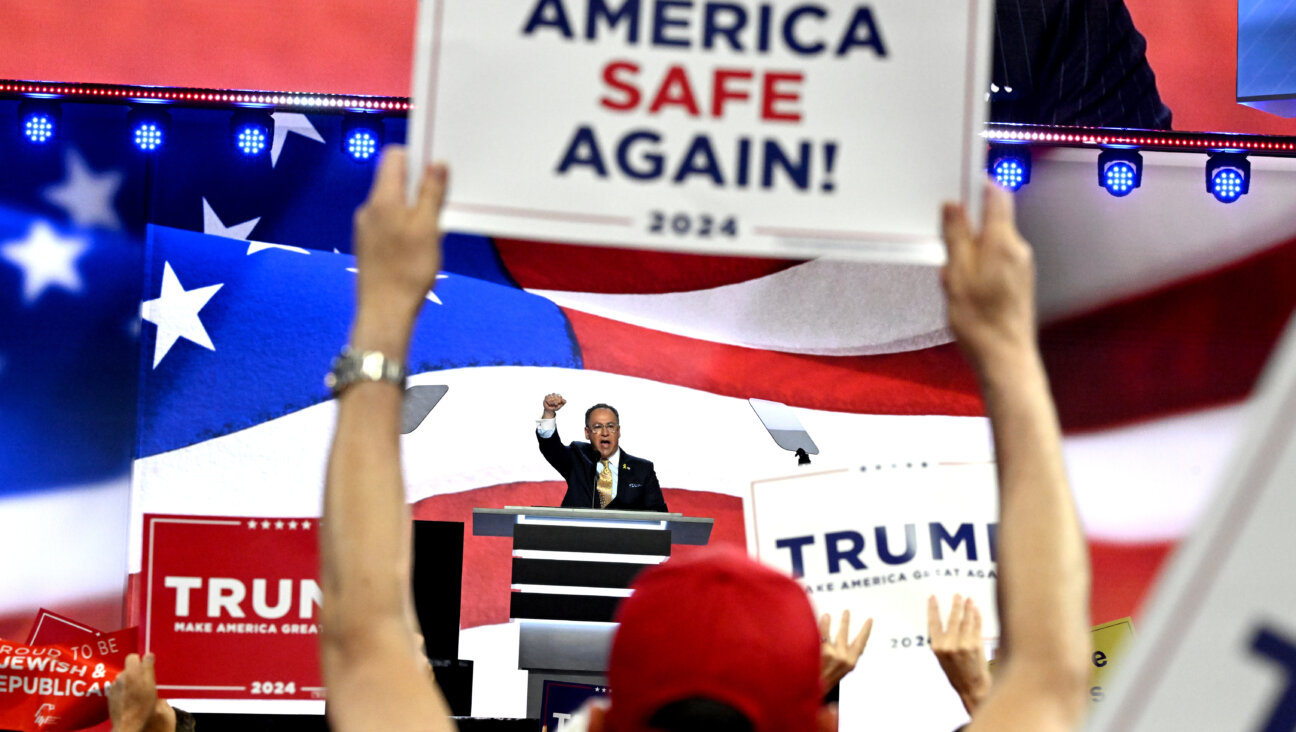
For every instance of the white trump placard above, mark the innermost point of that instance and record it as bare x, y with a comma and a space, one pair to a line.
1217, 646
879, 540
782, 128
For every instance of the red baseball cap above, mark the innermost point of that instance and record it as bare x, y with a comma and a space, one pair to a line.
721, 626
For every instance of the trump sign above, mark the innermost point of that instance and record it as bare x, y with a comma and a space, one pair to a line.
791, 128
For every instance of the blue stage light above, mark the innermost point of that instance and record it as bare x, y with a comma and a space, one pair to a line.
1228, 176
1227, 185
252, 131
38, 128
148, 137
362, 145
362, 136
1010, 174
1010, 165
251, 140
39, 121
149, 129
1120, 171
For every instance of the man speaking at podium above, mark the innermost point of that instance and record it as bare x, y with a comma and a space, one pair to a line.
599, 474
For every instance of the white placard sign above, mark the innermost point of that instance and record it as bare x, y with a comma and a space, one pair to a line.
879, 540
1217, 645
785, 128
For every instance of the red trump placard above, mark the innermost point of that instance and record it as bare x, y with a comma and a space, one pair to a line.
231, 606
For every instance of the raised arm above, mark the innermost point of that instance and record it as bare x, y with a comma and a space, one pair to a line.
555, 453
375, 675
1043, 565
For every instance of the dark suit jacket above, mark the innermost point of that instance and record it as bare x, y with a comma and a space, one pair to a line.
637, 487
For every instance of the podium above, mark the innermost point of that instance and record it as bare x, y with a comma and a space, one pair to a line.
571, 568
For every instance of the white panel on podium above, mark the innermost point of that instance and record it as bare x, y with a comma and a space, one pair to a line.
690, 530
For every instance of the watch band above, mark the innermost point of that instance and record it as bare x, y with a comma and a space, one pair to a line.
354, 365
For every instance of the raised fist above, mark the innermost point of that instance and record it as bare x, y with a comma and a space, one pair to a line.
552, 403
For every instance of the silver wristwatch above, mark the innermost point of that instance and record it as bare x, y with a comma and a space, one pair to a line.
352, 365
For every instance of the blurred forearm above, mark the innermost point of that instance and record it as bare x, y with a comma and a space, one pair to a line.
1044, 569
365, 537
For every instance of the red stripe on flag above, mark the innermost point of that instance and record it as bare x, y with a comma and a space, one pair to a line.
1198, 343
1123, 574
574, 268
1195, 344
928, 381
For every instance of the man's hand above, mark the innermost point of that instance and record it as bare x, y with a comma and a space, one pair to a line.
398, 254
552, 403
960, 650
132, 697
839, 656
989, 282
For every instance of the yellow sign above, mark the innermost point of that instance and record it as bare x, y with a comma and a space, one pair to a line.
1109, 644
1109, 641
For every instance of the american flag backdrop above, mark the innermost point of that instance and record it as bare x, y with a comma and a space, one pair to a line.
167, 322
71, 228
245, 289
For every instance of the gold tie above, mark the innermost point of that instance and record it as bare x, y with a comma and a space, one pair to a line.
605, 485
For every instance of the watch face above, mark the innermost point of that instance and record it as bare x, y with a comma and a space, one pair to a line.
371, 365
354, 366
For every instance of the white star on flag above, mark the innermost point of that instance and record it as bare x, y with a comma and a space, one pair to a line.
431, 296
260, 246
285, 122
175, 313
213, 225
85, 195
46, 259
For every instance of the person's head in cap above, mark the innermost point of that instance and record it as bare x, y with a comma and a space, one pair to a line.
718, 642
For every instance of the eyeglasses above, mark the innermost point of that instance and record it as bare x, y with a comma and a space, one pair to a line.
604, 427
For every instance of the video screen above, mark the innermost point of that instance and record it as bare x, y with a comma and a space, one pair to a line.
1212, 66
